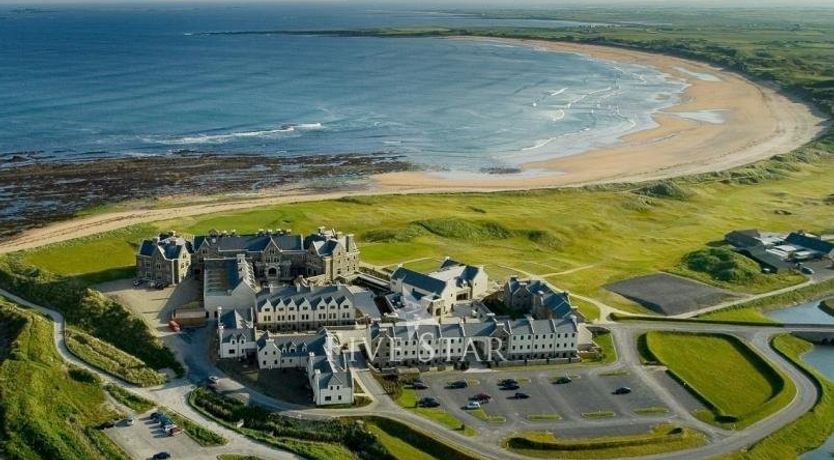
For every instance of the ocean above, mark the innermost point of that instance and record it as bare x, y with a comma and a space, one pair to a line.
88, 82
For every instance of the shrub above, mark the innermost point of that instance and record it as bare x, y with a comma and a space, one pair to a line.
462, 229
722, 264
665, 189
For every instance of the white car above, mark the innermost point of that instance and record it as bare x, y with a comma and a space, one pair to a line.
130, 421
471, 405
213, 379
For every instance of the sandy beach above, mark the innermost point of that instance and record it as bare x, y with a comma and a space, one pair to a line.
756, 122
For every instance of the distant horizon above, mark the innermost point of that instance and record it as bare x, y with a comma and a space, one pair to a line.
445, 4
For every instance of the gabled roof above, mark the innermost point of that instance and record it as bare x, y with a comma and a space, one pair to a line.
419, 280
170, 247
810, 242
320, 297
252, 243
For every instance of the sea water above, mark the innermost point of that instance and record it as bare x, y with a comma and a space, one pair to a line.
81, 82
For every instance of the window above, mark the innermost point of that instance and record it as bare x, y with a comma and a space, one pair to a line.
231, 352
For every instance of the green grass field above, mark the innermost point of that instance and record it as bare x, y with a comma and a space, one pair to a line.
46, 412
808, 431
638, 240
662, 438
737, 385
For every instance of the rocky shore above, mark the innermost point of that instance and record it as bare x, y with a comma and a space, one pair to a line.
36, 189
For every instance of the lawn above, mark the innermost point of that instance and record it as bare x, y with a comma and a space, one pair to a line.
606, 343
47, 411
662, 438
614, 235
806, 432
735, 383
396, 446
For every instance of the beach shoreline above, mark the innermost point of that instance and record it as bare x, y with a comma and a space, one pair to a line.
757, 122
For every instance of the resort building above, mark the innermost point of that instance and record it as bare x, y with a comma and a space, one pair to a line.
537, 298
275, 257
300, 308
328, 369
164, 260
493, 340
229, 283
236, 333
435, 293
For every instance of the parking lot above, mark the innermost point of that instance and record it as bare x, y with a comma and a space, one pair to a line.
145, 438
586, 405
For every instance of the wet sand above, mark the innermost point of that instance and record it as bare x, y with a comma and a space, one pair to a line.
758, 123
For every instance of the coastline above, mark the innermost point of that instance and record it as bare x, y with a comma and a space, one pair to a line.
758, 122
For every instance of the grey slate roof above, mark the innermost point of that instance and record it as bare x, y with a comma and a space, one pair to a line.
809, 242
171, 247
320, 297
252, 243
526, 325
237, 324
418, 280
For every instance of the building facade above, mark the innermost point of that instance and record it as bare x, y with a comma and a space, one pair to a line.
427, 343
435, 293
301, 308
164, 260
536, 297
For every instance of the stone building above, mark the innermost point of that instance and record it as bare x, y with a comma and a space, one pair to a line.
537, 298
300, 308
164, 260
435, 293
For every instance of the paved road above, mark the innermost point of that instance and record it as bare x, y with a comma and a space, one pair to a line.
174, 394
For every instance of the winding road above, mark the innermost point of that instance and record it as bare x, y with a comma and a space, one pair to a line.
174, 394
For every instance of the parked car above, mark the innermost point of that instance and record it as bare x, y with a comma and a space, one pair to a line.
213, 379
471, 405
807, 270
174, 326
563, 380
155, 416
521, 396
481, 398
419, 385
458, 384
506, 382
130, 421
622, 391
511, 387
175, 431
107, 424
428, 402
138, 282
161, 456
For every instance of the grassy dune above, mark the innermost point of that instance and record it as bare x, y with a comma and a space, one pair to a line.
618, 232
111, 359
46, 411
735, 383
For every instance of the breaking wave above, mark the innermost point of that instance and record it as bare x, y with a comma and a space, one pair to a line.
226, 137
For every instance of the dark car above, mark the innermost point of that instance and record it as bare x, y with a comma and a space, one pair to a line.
155, 416
563, 380
622, 391
458, 384
161, 456
481, 398
419, 385
506, 382
521, 396
511, 387
428, 402
806, 270
107, 424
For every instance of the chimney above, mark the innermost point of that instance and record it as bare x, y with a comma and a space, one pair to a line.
349, 241
219, 314
269, 232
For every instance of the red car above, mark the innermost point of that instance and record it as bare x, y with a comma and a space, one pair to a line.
174, 326
481, 397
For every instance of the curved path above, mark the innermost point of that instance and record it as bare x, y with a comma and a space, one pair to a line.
174, 395
169, 395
